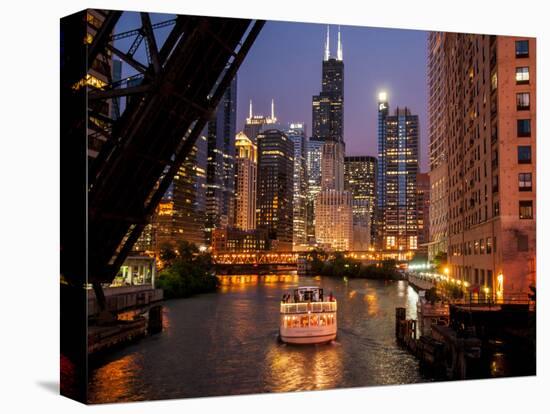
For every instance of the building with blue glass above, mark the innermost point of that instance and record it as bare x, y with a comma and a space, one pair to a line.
398, 141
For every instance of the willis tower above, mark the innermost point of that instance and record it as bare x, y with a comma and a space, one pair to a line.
333, 217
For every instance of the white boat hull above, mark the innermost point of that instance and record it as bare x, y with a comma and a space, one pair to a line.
312, 335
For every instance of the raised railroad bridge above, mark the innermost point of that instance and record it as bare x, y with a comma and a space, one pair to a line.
180, 77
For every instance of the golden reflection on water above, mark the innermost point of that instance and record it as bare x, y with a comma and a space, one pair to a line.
498, 364
303, 368
411, 305
371, 298
401, 288
115, 381
240, 282
166, 321
232, 347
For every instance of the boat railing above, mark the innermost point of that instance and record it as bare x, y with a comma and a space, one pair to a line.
305, 307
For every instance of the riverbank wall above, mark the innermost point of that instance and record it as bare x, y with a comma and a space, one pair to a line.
462, 349
131, 313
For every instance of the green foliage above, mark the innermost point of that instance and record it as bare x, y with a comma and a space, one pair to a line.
317, 258
167, 254
389, 264
451, 291
188, 272
419, 258
379, 272
340, 266
432, 296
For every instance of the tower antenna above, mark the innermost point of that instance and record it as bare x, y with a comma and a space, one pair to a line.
327, 44
340, 53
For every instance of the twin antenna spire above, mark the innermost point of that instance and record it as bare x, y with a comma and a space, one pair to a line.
339, 51
251, 114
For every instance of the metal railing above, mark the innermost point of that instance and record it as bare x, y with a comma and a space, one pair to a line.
305, 307
512, 299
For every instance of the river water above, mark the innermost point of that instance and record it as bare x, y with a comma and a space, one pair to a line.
226, 343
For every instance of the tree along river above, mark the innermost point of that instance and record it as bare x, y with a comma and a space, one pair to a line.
226, 343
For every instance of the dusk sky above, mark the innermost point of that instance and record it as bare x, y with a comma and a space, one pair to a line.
285, 64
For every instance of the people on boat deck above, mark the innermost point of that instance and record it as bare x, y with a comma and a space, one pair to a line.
307, 297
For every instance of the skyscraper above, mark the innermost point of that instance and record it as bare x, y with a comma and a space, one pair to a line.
297, 134
334, 221
333, 212
246, 165
116, 73
314, 151
328, 106
180, 214
360, 181
398, 146
220, 172
437, 130
274, 205
97, 77
490, 110
383, 111
255, 123
423, 211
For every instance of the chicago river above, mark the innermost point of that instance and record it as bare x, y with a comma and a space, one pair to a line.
226, 343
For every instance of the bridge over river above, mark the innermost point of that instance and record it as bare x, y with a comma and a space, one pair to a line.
288, 257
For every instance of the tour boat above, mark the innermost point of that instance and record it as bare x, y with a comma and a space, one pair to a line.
308, 317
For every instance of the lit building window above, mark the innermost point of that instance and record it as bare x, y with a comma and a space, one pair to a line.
89, 80
522, 75
526, 209
525, 182
489, 245
500, 285
494, 81
522, 101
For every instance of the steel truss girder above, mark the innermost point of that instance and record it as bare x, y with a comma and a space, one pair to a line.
182, 87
